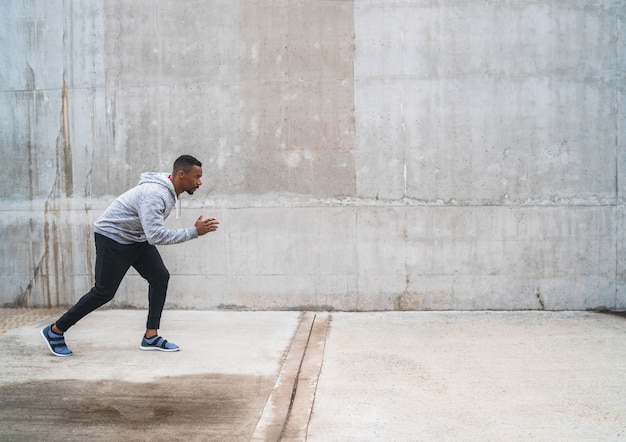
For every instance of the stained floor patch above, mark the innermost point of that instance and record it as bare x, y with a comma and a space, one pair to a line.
199, 407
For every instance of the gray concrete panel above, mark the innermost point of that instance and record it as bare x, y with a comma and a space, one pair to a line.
362, 155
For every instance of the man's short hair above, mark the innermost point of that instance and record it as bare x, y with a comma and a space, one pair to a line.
185, 163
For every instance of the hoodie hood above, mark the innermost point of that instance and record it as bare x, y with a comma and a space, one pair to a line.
162, 179
158, 178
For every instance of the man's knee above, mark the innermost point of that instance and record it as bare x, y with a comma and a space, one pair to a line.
161, 278
102, 296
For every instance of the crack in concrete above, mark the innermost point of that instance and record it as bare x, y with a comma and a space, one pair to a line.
540, 299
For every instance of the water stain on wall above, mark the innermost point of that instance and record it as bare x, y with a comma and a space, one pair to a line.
50, 272
64, 149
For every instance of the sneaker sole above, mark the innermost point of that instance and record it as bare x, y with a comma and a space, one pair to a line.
141, 347
50, 347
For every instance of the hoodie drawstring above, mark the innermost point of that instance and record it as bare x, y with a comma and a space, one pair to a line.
177, 207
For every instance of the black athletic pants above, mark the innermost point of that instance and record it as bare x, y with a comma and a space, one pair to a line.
112, 262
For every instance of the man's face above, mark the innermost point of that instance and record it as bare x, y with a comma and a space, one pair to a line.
191, 180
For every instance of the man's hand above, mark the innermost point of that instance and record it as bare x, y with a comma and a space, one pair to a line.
204, 226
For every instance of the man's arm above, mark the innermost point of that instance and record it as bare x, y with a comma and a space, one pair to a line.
152, 217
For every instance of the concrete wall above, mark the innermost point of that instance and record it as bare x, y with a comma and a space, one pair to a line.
360, 155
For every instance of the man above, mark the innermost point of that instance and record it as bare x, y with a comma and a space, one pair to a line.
126, 235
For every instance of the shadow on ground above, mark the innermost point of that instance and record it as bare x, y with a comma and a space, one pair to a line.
198, 407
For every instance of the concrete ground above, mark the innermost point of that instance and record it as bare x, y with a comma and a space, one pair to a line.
394, 376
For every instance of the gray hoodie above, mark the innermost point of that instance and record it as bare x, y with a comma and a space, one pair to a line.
139, 214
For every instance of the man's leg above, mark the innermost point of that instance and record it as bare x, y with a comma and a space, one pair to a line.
112, 262
151, 267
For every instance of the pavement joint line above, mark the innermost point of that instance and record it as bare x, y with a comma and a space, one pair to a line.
297, 425
297, 381
274, 415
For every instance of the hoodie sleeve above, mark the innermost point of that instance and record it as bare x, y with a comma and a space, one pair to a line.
151, 212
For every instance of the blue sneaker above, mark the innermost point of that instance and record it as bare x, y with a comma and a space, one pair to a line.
158, 343
55, 342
